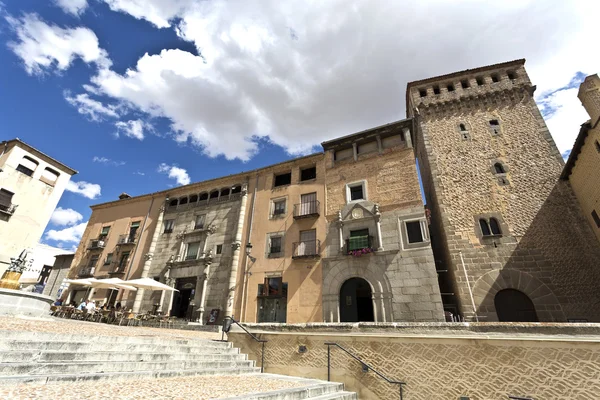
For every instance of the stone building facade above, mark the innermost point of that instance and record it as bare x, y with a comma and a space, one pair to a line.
378, 265
581, 169
509, 233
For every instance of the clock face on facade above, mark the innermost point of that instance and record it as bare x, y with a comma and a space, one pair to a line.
357, 213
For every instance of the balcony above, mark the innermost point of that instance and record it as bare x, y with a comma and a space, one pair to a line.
118, 271
96, 244
127, 239
358, 243
307, 210
307, 249
7, 208
86, 272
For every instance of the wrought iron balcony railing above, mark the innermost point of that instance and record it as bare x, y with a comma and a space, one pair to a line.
8, 208
96, 244
86, 272
307, 249
307, 209
127, 239
359, 243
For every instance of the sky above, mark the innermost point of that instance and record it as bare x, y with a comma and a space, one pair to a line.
143, 95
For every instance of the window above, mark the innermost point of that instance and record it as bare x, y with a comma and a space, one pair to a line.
356, 191
123, 261
462, 127
495, 126
278, 208
495, 78
214, 194
480, 81
183, 200
490, 228
272, 300
49, 176
413, 232
436, 90
219, 249
423, 92
464, 83
104, 232
450, 87
93, 261
169, 224
5, 199
133, 229
225, 192
27, 166
203, 197
194, 198
499, 168
308, 204
512, 75
307, 174
359, 239
192, 251
275, 245
199, 224
598, 146
307, 246
173, 203
109, 259
596, 218
282, 179
495, 226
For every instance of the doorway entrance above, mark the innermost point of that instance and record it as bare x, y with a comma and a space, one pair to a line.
183, 298
356, 301
514, 306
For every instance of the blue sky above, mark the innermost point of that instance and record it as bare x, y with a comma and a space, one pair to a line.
142, 95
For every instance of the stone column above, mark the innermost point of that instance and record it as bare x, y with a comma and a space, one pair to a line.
204, 287
355, 151
236, 245
378, 222
376, 311
170, 282
341, 232
407, 138
139, 295
379, 144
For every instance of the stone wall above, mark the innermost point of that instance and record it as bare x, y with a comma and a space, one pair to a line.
543, 250
439, 361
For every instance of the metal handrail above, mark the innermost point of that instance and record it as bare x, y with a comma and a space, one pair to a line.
263, 341
369, 367
519, 398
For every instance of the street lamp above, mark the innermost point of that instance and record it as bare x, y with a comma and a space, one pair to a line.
248, 251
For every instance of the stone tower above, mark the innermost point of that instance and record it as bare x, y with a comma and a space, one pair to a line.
508, 236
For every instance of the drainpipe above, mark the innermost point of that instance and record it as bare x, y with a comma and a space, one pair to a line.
468, 286
236, 245
244, 301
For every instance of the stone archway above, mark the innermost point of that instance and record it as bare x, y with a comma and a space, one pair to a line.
546, 304
514, 306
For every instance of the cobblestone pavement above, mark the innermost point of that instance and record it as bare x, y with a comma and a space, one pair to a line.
198, 387
66, 326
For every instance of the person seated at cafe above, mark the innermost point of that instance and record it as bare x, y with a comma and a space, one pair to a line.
118, 306
82, 305
91, 306
58, 302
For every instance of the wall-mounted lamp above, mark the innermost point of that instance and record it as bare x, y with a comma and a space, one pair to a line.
248, 251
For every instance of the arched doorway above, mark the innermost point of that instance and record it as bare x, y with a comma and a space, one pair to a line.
356, 301
514, 306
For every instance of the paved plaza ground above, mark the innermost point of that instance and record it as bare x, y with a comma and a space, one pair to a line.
189, 387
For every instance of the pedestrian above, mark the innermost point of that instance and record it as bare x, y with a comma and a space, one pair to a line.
82, 305
91, 306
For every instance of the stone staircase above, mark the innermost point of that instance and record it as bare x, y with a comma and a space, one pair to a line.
40, 358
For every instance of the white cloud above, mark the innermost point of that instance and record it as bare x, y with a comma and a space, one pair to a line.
74, 7
139, 173
42, 46
94, 109
133, 129
70, 234
89, 190
65, 217
297, 75
179, 174
108, 161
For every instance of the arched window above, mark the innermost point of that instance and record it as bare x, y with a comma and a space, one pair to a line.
495, 226
514, 306
214, 194
173, 203
236, 189
499, 168
183, 200
203, 196
225, 192
49, 176
193, 198
27, 166
485, 227
463, 128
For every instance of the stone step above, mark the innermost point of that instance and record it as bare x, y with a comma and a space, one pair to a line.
313, 389
337, 396
92, 345
21, 356
46, 336
74, 367
83, 377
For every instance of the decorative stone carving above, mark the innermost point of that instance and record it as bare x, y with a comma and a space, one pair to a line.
357, 213
148, 256
211, 229
340, 220
162, 209
235, 246
180, 236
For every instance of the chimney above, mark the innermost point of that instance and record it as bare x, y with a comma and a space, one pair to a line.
589, 94
123, 196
